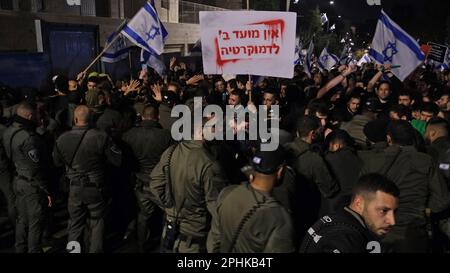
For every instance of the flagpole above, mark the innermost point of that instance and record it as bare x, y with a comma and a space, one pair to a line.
106, 47
249, 76
129, 63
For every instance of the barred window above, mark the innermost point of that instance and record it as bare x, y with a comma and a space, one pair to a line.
6, 4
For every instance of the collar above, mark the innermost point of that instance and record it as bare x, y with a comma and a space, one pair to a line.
440, 141
80, 127
150, 124
357, 216
25, 123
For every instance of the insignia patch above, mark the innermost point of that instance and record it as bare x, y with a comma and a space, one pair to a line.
34, 155
115, 149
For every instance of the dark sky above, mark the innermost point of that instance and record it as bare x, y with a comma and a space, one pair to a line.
424, 19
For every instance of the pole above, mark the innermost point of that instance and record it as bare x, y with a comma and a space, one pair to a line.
107, 46
249, 76
129, 63
288, 4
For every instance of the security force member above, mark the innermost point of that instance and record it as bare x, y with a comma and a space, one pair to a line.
249, 219
147, 141
358, 227
187, 181
84, 152
25, 148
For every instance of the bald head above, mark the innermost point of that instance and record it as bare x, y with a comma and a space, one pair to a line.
150, 112
81, 115
25, 110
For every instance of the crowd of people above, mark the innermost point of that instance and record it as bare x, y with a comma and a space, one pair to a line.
362, 166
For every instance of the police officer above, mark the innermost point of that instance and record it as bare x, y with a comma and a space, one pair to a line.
249, 219
147, 142
5, 178
358, 227
419, 182
84, 152
313, 178
187, 181
345, 165
24, 147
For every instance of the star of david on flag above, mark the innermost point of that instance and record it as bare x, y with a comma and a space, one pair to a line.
327, 61
392, 45
146, 30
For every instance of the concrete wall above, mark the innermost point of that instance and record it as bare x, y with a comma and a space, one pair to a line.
22, 36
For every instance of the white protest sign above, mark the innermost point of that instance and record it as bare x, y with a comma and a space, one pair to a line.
248, 42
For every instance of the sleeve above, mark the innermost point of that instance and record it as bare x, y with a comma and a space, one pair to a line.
31, 150
439, 196
113, 152
158, 179
214, 181
282, 238
57, 156
321, 176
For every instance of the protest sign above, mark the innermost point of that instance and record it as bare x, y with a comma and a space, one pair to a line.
248, 42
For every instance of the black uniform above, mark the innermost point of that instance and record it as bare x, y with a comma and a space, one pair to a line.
5, 180
85, 152
345, 165
343, 232
26, 149
147, 142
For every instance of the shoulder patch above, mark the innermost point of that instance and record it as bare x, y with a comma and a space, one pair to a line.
116, 149
34, 155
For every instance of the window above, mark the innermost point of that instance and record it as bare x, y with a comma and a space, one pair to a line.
6, 4
102, 8
165, 4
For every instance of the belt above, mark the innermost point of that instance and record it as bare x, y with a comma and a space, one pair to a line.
84, 184
192, 239
22, 177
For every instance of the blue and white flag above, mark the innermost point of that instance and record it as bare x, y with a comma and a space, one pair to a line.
146, 30
446, 63
324, 18
392, 45
154, 61
307, 65
118, 50
364, 60
327, 61
298, 52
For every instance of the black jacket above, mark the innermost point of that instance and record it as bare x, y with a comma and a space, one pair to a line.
343, 232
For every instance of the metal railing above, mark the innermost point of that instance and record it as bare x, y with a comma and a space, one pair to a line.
188, 11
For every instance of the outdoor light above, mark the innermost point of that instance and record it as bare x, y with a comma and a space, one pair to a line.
331, 2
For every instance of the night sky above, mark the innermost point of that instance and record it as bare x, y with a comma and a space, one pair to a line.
424, 19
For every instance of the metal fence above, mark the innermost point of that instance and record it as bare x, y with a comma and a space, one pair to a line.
188, 11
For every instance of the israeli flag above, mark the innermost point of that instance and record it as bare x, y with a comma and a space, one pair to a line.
307, 65
118, 50
324, 18
298, 51
392, 45
364, 60
154, 61
446, 63
146, 30
327, 61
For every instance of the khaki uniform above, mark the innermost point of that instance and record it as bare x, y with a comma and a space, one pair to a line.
250, 221
420, 187
196, 180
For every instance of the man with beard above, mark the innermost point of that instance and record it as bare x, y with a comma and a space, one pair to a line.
358, 227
